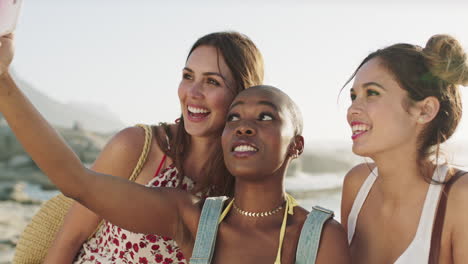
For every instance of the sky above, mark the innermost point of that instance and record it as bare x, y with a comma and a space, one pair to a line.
129, 55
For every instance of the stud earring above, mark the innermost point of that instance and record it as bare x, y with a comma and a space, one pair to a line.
421, 120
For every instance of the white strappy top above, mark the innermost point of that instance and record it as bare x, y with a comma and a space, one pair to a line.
418, 249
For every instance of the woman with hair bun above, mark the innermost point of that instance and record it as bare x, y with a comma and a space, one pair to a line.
409, 205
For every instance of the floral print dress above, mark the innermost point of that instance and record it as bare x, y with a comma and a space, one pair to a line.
112, 244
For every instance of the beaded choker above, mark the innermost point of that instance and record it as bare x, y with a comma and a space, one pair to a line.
258, 214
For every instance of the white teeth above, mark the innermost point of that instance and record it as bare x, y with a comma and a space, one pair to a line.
359, 128
244, 148
196, 110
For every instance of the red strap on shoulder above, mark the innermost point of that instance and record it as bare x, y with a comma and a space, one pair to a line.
160, 165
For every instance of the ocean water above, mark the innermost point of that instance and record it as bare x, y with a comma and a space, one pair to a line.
305, 184
35, 192
322, 189
309, 189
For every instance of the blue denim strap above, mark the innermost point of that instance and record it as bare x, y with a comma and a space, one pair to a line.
309, 239
207, 230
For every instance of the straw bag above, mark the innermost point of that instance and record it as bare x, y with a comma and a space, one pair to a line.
39, 234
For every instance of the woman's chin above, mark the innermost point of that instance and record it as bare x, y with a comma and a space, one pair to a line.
361, 151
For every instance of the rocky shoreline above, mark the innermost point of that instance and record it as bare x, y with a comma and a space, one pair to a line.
16, 165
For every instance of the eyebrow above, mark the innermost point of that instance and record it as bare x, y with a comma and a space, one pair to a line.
272, 105
367, 84
236, 104
207, 73
268, 103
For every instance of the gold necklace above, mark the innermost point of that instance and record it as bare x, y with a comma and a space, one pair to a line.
258, 214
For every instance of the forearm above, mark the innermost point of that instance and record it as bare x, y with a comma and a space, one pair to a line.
63, 252
39, 139
79, 223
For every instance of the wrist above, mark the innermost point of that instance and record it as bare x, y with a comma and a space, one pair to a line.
4, 74
6, 83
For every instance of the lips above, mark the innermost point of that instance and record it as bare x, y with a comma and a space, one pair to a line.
358, 129
244, 149
197, 113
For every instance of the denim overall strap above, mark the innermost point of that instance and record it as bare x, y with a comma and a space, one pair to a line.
309, 239
207, 230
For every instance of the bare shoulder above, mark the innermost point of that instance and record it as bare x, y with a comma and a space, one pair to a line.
333, 244
458, 197
121, 153
456, 219
353, 181
333, 231
128, 138
357, 175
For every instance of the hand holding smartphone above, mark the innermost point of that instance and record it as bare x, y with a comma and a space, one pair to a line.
9, 12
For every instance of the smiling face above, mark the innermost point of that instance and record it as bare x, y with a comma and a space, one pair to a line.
258, 133
381, 115
205, 92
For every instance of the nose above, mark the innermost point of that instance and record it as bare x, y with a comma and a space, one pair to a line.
245, 129
195, 90
355, 108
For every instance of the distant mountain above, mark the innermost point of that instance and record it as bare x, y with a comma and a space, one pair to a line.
90, 117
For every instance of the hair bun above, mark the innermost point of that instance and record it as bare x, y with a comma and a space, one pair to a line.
446, 59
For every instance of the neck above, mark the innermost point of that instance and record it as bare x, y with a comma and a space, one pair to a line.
259, 193
201, 148
400, 174
262, 195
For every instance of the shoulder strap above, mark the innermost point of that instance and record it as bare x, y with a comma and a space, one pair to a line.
440, 219
144, 152
207, 230
358, 202
141, 161
309, 239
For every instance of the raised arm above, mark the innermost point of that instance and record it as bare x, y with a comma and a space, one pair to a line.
118, 157
126, 204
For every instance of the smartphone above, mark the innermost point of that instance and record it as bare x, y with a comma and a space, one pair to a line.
9, 13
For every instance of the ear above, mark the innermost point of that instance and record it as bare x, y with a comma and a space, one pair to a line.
428, 109
296, 147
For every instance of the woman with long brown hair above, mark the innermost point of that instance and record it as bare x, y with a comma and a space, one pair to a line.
260, 224
185, 155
